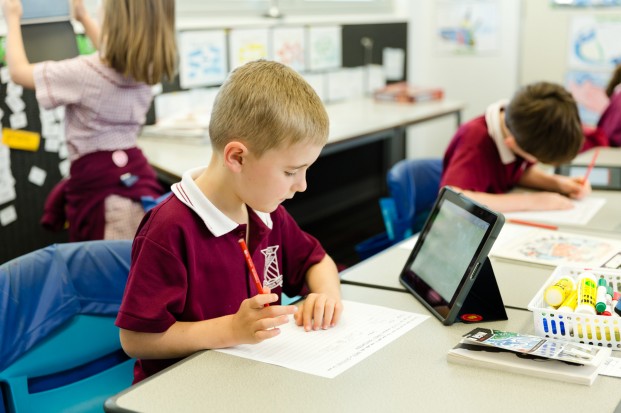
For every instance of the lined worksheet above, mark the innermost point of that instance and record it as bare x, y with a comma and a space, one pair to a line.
362, 330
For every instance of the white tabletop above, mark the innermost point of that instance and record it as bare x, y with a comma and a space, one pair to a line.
349, 121
607, 157
409, 374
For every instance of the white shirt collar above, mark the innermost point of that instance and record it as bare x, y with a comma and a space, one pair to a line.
494, 128
216, 221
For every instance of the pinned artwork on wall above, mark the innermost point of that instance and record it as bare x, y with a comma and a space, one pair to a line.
246, 45
202, 58
467, 27
324, 48
289, 47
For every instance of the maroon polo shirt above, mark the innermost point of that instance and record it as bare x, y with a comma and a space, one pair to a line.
187, 264
472, 162
610, 121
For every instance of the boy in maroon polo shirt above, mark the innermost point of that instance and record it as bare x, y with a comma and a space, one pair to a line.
189, 287
491, 154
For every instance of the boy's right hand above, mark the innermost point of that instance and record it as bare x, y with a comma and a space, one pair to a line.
11, 8
547, 201
254, 322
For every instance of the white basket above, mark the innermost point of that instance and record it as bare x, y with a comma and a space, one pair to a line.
597, 330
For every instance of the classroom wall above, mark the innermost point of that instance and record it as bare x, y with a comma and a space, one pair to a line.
544, 48
476, 79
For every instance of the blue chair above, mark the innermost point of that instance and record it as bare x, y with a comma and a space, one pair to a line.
59, 347
413, 186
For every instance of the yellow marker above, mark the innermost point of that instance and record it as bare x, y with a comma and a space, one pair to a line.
21, 139
586, 294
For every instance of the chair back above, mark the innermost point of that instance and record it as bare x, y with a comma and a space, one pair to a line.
413, 184
59, 347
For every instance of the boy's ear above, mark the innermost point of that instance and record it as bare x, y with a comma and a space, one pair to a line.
235, 154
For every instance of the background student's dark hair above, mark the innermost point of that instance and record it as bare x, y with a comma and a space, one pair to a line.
543, 118
614, 80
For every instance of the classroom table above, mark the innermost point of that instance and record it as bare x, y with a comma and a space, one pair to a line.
606, 157
352, 123
409, 374
518, 282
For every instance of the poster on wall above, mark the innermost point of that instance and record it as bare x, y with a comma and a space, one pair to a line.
246, 45
589, 90
289, 47
202, 58
467, 27
594, 42
324, 47
594, 51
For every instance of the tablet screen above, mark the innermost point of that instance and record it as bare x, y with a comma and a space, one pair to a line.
451, 247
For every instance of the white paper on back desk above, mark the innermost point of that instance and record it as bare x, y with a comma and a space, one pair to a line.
580, 214
362, 330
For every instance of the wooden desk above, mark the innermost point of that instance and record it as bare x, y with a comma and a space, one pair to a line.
409, 374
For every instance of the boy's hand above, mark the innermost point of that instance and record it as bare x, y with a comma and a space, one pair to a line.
574, 187
318, 311
546, 201
254, 322
11, 8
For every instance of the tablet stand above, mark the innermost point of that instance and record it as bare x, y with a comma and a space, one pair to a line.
484, 298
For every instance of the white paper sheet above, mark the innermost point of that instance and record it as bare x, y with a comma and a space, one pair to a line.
362, 330
580, 214
611, 367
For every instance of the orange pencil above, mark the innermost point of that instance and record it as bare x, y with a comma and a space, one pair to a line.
532, 224
590, 168
250, 264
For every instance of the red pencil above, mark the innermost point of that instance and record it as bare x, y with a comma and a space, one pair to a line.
532, 224
253, 270
591, 165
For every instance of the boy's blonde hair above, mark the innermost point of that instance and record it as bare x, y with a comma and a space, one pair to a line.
138, 38
266, 105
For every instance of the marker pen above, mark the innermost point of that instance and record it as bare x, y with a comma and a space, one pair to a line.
586, 294
600, 296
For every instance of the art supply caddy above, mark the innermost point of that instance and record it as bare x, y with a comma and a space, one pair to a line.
599, 330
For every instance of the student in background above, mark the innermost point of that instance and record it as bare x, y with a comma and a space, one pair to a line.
106, 96
492, 154
610, 121
189, 286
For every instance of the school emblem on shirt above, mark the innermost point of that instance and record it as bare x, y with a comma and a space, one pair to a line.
272, 277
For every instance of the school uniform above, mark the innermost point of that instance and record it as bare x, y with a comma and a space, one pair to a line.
476, 161
610, 121
104, 112
187, 264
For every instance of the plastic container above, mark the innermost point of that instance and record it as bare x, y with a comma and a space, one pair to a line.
597, 330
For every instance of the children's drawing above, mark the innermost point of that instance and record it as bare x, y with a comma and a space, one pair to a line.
557, 248
246, 45
588, 88
467, 26
324, 47
593, 42
202, 58
288, 47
